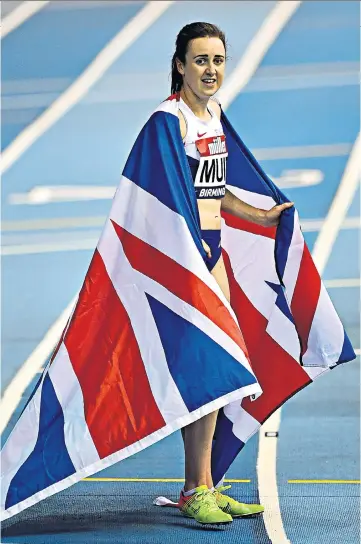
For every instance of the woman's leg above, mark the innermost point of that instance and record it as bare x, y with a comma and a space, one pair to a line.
198, 448
198, 436
220, 275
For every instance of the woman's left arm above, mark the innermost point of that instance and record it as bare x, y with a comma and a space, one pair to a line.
267, 218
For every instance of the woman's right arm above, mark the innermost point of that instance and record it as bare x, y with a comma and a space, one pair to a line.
182, 124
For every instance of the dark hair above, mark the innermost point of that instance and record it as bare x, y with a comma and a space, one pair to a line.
188, 33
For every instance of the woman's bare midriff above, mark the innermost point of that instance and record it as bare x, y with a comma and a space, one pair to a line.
210, 213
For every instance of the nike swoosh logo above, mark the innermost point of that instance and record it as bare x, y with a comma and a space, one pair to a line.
200, 135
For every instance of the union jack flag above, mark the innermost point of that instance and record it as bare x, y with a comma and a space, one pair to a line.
153, 345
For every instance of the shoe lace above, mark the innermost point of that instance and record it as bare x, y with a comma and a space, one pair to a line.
222, 488
208, 498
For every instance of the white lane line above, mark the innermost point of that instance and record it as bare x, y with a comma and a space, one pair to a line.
267, 480
342, 282
82, 85
34, 85
51, 247
338, 210
256, 50
44, 194
20, 14
313, 225
53, 223
32, 366
358, 351
267, 452
302, 151
67, 5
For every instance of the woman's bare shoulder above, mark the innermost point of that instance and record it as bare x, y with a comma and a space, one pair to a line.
182, 124
215, 106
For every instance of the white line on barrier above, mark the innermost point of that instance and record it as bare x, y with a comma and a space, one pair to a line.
20, 14
82, 85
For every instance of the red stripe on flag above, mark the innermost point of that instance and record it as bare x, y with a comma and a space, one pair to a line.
303, 306
279, 375
119, 406
180, 281
242, 224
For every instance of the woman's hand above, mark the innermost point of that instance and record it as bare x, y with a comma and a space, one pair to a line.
272, 216
207, 249
230, 203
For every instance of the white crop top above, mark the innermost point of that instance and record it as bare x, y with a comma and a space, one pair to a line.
206, 150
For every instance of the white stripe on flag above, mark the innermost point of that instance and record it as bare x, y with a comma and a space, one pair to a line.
249, 266
326, 331
167, 231
294, 259
264, 202
124, 280
315, 371
168, 106
282, 330
251, 273
78, 440
244, 425
20, 444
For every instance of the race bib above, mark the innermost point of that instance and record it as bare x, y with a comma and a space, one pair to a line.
210, 181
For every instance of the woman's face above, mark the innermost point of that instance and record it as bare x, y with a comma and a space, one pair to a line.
204, 66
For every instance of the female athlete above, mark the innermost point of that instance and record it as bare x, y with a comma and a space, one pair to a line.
198, 68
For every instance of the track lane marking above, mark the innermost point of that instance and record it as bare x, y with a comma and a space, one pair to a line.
342, 283
20, 14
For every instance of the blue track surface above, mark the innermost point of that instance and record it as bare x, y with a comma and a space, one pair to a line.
296, 98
